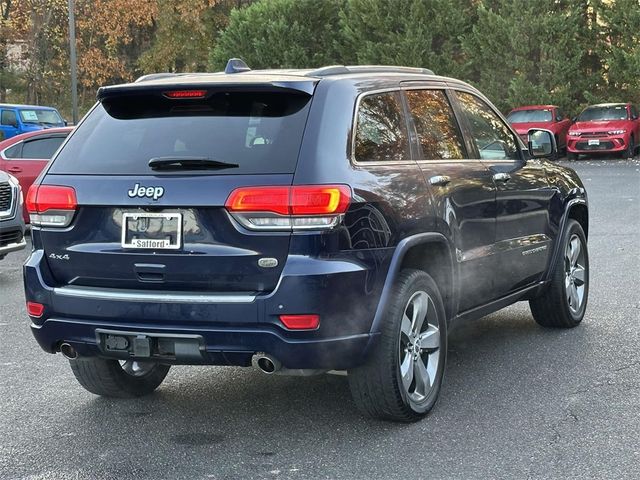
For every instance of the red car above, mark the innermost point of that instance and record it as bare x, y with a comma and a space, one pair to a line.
548, 117
24, 156
607, 127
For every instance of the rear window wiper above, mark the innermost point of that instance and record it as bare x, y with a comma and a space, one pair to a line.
188, 163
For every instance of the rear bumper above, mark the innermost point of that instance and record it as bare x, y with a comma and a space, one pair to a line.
221, 346
344, 291
11, 235
12, 247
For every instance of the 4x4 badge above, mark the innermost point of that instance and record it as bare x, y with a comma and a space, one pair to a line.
149, 192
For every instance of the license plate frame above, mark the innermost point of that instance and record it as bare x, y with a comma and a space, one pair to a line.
594, 142
128, 239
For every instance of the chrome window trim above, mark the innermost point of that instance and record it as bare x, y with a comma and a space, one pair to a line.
95, 293
410, 85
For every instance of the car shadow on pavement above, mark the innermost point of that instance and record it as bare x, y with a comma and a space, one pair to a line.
494, 347
241, 415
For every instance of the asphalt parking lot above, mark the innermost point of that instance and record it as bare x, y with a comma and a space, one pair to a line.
518, 401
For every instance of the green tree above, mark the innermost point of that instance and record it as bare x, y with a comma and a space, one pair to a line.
281, 34
539, 51
407, 32
619, 47
185, 32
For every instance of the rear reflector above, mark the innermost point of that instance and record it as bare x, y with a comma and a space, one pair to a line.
300, 322
185, 94
286, 208
51, 205
35, 309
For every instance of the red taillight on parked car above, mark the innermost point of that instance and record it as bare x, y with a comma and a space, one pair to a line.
285, 208
35, 309
51, 205
300, 322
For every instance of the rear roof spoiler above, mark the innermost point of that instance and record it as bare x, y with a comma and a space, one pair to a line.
253, 83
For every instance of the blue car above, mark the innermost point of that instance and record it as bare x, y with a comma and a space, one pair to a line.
300, 222
17, 119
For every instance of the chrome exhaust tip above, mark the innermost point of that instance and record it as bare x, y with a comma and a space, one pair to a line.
266, 363
68, 351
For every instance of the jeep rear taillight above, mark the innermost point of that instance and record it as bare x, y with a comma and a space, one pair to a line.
299, 207
51, 205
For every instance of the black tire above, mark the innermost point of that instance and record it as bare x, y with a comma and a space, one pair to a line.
553, 308
377, 386
108, 378
572, 157
631, 148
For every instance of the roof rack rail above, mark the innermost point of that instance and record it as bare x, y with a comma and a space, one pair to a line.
342, 70
236, 65
155, 76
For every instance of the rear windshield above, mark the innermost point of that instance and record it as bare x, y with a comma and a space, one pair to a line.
527, 116
617, 112
260, 132
41, 117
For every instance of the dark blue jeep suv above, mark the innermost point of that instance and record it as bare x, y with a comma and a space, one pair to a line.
300, 221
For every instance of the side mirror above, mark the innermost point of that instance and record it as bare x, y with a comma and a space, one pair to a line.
573, 119
542, 143
66, 123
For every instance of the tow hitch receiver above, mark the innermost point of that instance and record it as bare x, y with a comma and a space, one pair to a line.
150, 345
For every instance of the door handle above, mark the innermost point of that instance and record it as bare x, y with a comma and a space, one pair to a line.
502, 177
439, 180
14, 169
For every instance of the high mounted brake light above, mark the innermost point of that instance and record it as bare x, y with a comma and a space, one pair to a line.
51, 205
286, 208
176, 94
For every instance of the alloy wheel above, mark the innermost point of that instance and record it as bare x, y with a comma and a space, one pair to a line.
136, 368
575, 273
419, 349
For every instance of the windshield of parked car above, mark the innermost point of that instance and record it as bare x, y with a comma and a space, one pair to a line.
590, 114
255, 132
527, 116
41, 117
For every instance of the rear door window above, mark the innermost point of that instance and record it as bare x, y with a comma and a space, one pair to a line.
381, 130
261, 132
41, 148
435, 123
